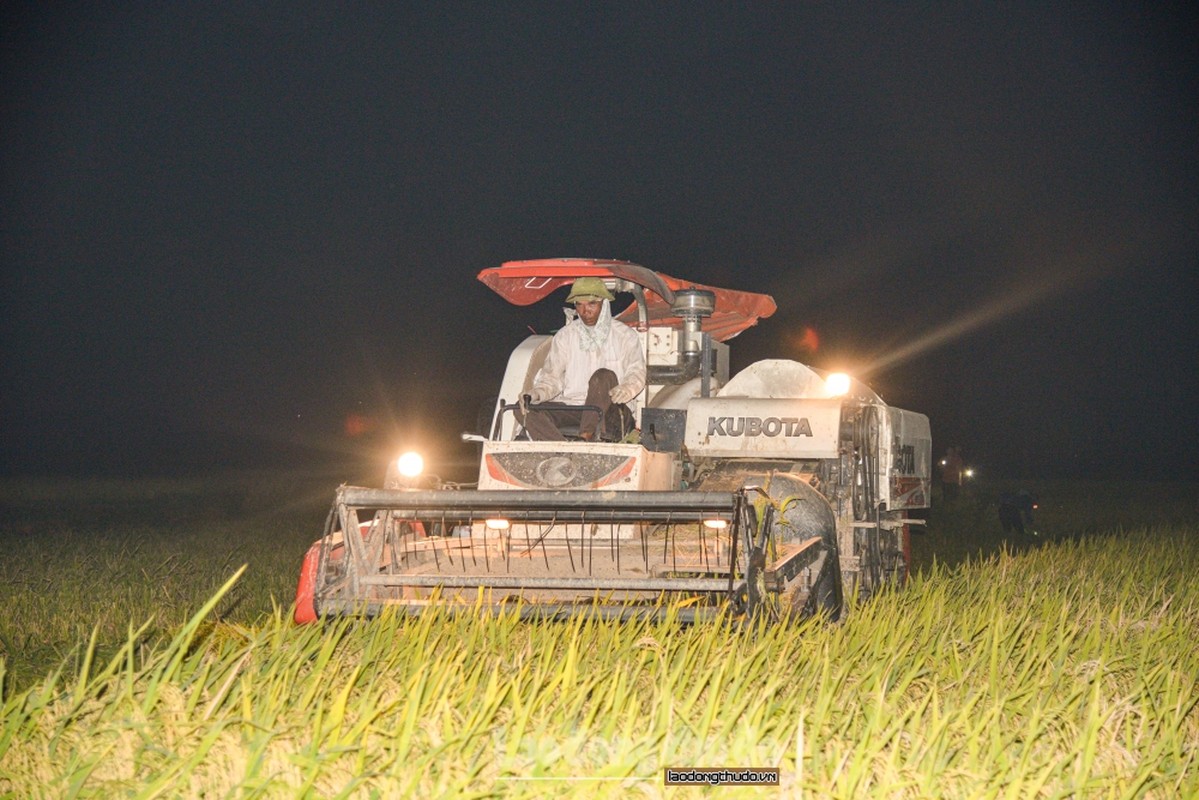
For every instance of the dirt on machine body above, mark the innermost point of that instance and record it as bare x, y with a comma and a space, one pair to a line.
778, 490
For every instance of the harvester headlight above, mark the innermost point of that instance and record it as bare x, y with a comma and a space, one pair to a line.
410, 464
836, 384
496, 524
716, 524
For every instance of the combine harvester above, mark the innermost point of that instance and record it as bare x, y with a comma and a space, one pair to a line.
776, 491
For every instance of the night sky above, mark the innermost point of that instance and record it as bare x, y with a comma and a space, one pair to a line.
247, 234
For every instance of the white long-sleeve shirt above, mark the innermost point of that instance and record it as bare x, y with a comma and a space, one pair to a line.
568, 367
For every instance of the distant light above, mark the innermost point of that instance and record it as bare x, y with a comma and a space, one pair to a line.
358, 424
970, 472
716, 524
496, 524
836, 384
809, 341
410, 464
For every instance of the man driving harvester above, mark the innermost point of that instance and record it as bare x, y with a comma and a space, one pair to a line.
593, 360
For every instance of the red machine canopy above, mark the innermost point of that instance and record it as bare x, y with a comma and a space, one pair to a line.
523, 283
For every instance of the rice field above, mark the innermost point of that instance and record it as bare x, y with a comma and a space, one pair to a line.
141, 659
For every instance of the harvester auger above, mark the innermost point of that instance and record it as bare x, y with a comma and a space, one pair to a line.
776, 491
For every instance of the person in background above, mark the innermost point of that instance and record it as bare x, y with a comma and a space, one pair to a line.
952, 468
1015, 511
593, 360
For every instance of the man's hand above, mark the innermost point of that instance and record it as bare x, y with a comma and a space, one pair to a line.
537, 396
622, 394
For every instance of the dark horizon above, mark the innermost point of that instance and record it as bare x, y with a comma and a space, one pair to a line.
249, 236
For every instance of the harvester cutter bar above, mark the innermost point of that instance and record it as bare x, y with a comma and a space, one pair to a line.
557, 582
558, 612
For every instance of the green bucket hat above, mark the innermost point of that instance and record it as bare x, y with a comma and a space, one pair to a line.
589, 287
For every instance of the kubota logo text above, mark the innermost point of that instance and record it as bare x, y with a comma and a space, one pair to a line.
756, 426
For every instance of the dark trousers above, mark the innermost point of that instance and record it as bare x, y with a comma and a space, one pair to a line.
544, 425
1011, 519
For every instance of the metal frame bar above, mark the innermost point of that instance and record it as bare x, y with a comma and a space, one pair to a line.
796, 557
508, 582
559, 612
544, 505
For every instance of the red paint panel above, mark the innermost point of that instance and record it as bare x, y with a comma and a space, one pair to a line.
525, 282
305, 611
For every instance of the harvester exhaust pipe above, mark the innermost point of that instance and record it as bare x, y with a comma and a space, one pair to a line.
692, 306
